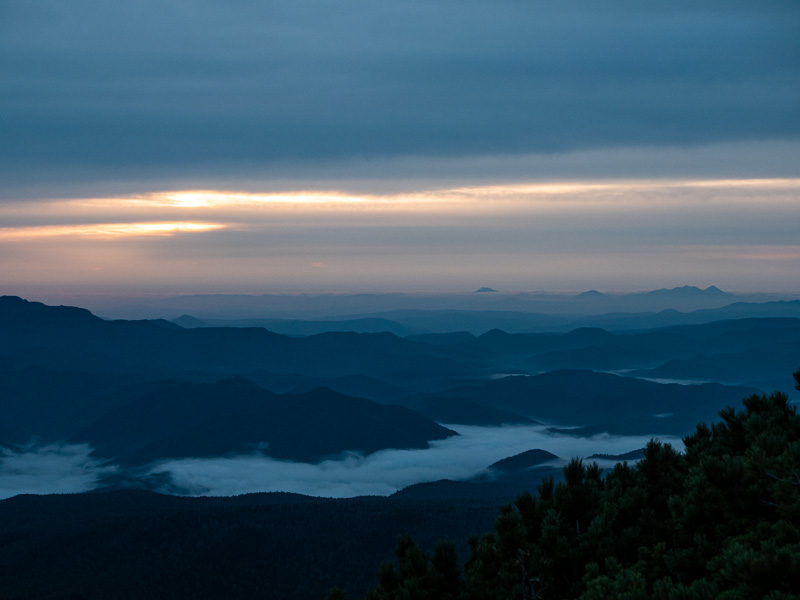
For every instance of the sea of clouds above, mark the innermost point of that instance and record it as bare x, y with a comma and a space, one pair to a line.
70, 468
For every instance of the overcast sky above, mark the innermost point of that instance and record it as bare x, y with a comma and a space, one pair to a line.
384, 113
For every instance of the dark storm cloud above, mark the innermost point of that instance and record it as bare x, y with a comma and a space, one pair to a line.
97, 90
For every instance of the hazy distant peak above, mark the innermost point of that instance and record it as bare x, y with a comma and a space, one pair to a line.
484, 290
19, 311
494, 334
689, 290
712, 289
591, 294
189, 322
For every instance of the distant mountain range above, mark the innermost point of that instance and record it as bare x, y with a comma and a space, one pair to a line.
418, 321
69, 375
338, 307
181, 419
141, 391
141, 423
600, 401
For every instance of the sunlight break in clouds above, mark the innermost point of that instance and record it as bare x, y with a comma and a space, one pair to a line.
512, 196
568, 235
110, 216
211, 198
105, 230
610, 195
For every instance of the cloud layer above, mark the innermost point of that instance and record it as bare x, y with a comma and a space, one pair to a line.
144, 90
624, 235
387, 471
50, 469
64, 469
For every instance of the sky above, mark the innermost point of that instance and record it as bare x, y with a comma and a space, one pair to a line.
296, 146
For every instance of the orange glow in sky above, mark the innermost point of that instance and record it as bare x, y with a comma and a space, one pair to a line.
105, 230
739, 234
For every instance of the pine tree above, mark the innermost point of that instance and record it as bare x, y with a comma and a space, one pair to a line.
720, 520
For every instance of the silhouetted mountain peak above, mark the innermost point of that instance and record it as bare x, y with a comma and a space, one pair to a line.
523, 460
20, 311
189, 322
688, 291
485, 290
495, 334
591, 294
235, 415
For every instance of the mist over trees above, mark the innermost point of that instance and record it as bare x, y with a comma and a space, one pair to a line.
721, 520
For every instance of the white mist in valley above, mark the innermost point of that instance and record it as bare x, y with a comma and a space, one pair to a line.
70, 468
387, 471
50, 469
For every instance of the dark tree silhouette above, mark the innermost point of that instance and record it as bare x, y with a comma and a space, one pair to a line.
720, 520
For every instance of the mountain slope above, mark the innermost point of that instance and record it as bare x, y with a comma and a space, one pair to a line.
623, 404
235, 415
73, 339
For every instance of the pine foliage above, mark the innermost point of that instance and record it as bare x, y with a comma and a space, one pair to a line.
719, 520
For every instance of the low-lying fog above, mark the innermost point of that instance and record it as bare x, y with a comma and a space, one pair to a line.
50, 469
71, 468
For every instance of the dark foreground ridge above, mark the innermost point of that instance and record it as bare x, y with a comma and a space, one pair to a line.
136, 544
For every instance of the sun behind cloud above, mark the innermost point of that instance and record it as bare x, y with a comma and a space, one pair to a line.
555, 234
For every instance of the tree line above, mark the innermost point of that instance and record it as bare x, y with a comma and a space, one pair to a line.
719, 520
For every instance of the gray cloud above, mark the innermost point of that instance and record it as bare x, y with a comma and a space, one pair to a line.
141, 90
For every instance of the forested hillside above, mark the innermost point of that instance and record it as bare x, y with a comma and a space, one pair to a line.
721, 520
112, 405
133, 544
